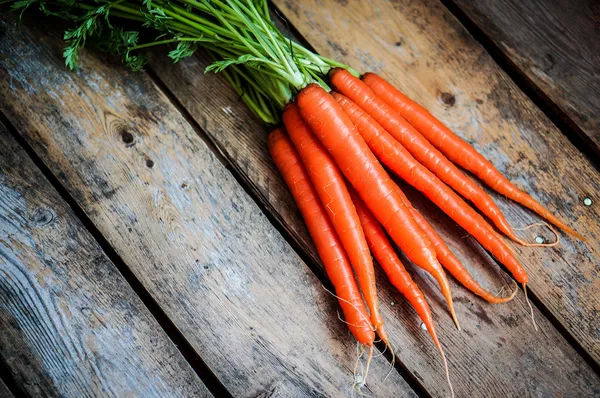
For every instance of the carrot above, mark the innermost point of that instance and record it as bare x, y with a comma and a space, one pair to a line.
399, 160
394, 269
418, 146
453, 264
354, 158
331, 188
325, 238
456, 149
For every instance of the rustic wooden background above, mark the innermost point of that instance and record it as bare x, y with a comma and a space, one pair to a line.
148, 246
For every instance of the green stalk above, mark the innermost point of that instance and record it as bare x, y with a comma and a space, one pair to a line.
264, 67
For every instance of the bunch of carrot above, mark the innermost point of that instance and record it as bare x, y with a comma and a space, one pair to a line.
331, 155
332, 149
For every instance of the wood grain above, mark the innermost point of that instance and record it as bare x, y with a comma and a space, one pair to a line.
257, 316
555, 44
423, 50
498, 353
71, 325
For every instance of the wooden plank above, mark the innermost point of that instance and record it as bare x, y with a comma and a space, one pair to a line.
71, 325
555, 44
498, 353
257, 316
422, 49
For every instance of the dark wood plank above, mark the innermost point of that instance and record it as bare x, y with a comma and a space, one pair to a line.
4, 391
555, 43
422, 49
247, 304
495, 339
71, 325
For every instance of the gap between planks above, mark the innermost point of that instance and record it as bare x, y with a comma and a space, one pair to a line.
181, 343
565, 124
8, 382
277, 223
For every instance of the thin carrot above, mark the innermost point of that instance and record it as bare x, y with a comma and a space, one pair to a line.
354, 158
394, 269
325, 238
455, 148
418, 146
453, 264
399, 160
331, 188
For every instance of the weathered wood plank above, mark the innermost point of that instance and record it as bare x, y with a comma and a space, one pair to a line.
556, 45
71, 325
422, 49
497, 339
254, 312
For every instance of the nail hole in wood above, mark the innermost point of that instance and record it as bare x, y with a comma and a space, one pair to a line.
398, 43
184, 185
127, 137
448, 99
149, 163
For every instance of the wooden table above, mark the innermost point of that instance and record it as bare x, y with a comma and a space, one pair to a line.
148, 247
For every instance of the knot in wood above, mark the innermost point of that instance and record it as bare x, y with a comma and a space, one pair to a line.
42, 217
448, 99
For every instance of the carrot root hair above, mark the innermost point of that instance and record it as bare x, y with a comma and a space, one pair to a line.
536, 224
361, 379
506, 299
447, 371
437, 343
530, 307
347, 302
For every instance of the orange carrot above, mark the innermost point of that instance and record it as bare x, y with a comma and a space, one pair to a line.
418, 146
354, 158
326, 240
453, 264
331, 188
394, 269
397, 158
456, 149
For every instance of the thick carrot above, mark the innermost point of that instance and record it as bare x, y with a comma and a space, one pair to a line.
399, 160
394, 269
325, 238
331, 188
354, 158
418, 146
456, 149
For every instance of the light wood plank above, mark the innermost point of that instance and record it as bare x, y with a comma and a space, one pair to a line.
254, 312
556, 44
71, 325
496, 340
423, 50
